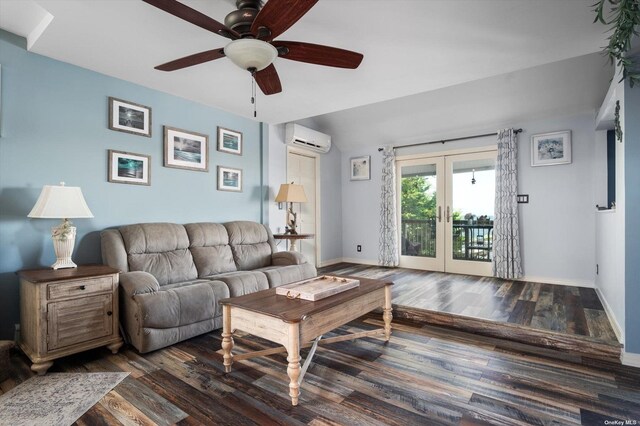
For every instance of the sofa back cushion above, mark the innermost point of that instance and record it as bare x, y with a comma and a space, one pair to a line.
162, 249
251, 244
209, 245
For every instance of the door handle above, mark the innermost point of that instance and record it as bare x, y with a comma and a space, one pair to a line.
448, 214
439, 213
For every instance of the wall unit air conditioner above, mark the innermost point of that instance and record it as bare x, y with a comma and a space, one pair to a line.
303, 137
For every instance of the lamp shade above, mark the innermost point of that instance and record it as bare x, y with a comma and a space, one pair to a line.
60, 202
291, 193
249, 53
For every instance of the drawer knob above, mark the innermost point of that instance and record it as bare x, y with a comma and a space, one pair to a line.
109, 313
83, 287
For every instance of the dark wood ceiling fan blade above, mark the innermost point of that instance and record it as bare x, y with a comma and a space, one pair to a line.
268, 80
195, 59
279, 15
193, 16
318, 54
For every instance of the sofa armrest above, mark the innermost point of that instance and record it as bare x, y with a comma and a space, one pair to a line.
285, 258
138, 282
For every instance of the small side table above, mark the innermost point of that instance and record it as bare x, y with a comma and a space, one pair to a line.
66, 311
293, 238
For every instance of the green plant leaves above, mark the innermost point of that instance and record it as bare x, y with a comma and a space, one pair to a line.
624, 21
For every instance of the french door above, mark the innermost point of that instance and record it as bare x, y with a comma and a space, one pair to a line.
446, 210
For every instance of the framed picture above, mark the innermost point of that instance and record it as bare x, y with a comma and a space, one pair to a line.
229, 141
229, 179
186, 150
550, 149
360, 168
129, 117
127, 167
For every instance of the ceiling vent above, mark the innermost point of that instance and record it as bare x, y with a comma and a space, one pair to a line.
303, 137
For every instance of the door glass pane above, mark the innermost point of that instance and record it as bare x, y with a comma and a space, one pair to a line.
418, 220
473, 209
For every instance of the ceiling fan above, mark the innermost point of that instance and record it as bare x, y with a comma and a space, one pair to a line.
252, 29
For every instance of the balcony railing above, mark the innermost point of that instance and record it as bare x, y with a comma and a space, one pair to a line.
471, 240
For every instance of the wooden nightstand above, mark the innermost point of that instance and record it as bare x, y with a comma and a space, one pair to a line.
66, 311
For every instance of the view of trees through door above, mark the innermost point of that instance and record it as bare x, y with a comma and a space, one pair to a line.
446, 212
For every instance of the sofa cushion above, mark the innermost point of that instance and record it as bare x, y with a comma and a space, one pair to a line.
243, 282
251, 244
209, 245
182, 303
279, 275
160, 249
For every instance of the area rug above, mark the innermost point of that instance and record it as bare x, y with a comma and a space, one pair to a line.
55, 399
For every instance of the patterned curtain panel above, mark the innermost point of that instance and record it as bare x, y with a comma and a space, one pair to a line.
506, 234
388, 246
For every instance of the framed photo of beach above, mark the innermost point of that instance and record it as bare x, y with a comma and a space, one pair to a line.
229, 179
127, 167
186, 150
129, 117
229, 141
550, 149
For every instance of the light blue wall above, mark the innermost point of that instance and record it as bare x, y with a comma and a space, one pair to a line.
632, 217
54, 128
331, 209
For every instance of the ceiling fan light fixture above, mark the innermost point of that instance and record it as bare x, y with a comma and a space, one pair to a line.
250, 53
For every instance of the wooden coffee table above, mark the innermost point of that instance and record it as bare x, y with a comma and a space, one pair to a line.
296, 323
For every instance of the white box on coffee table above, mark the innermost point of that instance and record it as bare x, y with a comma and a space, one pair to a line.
317, 288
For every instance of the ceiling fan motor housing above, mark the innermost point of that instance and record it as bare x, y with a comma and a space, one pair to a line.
240, 20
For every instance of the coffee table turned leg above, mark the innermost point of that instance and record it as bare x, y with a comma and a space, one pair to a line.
387, 315
227, 339
293, 369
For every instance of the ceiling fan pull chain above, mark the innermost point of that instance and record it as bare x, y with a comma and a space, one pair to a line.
253, 93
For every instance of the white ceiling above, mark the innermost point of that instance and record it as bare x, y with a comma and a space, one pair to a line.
409, 47
478, 107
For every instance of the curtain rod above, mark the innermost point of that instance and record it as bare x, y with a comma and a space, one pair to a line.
448, 140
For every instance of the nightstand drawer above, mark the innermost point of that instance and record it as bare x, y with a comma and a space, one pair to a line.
79, 288
79, 320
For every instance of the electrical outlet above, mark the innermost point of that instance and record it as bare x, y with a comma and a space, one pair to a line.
358, 248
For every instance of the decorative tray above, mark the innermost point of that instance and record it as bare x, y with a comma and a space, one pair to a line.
317, 288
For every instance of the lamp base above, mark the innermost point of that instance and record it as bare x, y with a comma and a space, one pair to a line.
64, 239
64, 263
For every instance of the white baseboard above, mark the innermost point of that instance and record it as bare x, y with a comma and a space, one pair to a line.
631, 359
560, 281
360, 261
330, 262
612, 318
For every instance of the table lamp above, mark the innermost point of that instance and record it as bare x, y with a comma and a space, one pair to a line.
61, 202
291, 193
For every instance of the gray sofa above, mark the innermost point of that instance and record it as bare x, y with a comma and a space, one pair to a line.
172, 276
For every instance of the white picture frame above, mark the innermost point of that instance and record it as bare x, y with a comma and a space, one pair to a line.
184, 149
551, 149
229, 141
129, 168
360, 168
229, 179
129, 117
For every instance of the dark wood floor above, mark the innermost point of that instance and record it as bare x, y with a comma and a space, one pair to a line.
425, 375
556, 308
